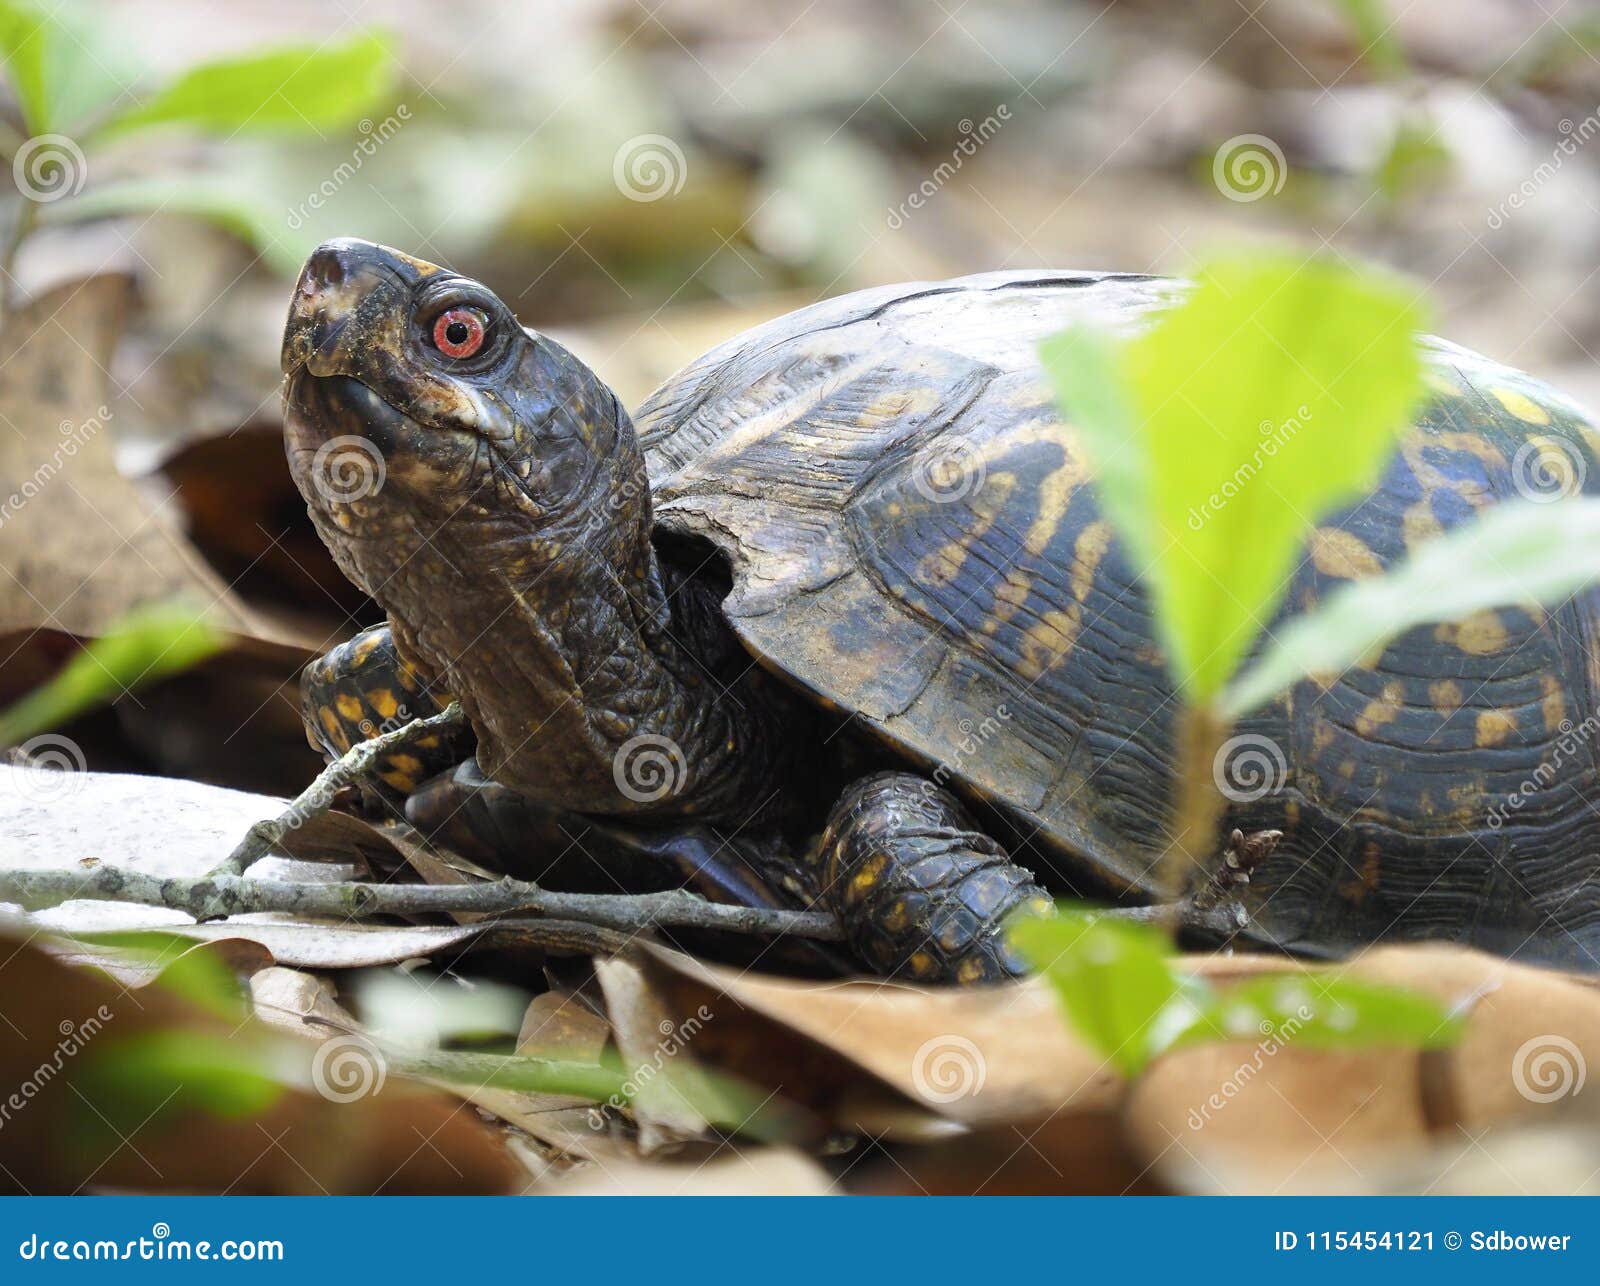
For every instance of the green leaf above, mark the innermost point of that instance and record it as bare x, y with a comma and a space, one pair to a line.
1518, 552
148, 643
133, 1080
1323, 1013
1374, 29
185, 967
296, 88
232, 203
1415, 160
1274, 392
1112, 978
64, 62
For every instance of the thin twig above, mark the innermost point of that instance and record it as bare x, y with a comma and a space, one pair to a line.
318, 797
214, 897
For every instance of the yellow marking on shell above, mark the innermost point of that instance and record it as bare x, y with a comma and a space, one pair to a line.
1386, 709
1446, 696
1322, 734
1420, 523
1087, 551
1338, 553
334, 729
1056, 491
384, 702
430, 742
1521, 405
1049, 640
866, 878
910, 401
1474, 444
969, 970
943, 565
1553, 706
403, 782
1481, 634
402, 762
1493, 728
349, 706
1366, 880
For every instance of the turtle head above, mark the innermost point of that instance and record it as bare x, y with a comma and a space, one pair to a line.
415, 403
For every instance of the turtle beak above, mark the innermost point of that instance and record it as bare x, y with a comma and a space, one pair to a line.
344, 290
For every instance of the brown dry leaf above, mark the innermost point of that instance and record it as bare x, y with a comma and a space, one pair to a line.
1270, 1116
79, 547
645, 1028
990, 1054
70, 1021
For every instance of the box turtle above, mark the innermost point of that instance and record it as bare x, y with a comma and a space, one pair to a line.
835, 619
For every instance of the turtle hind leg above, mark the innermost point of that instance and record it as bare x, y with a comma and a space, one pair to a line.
363, 688
922, 892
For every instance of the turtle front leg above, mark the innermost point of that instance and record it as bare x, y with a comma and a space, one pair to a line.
921, 891
364, 688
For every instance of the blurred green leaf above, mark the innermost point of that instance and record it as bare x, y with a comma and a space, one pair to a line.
1518, 552
130, 1082
64, 62
1415, 160
1323, 1013
184, 967
1374, 29
148, 643
298, 88
1112, 978
236, 207
1273, 392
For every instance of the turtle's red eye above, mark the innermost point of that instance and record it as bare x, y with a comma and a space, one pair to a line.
459, 332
